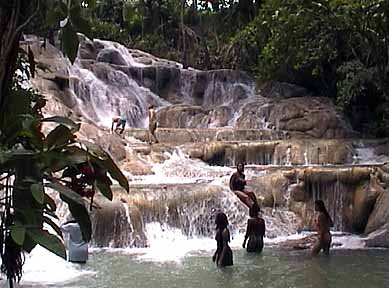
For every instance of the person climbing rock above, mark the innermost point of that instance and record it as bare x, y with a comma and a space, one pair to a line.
152, 124
255, 231
223, 254
237, 185
120, 122
323, 223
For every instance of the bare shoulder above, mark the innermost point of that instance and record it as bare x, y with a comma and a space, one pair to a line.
226, 233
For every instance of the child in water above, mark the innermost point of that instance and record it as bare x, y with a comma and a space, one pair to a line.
223, 254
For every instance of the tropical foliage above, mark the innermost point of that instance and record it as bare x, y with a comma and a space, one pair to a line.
36, 163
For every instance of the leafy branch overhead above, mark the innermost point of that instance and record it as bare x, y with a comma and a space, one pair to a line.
34, 165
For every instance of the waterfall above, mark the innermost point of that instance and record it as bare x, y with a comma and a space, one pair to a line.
120, 81
112, 95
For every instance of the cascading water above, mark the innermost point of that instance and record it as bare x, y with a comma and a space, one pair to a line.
115, 95
117, 83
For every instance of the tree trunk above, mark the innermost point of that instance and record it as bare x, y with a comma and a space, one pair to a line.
14, 16
9, 41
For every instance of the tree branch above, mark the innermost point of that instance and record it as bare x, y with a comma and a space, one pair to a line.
32, 16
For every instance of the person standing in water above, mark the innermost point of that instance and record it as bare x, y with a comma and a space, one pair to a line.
323, 223
237, 185
255, 231
223, 254
152, 124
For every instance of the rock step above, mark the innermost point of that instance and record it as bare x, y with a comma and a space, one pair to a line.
183, 135
276, 152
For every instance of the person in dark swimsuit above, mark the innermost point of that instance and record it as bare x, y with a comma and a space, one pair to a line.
255, 231
223, 254
237, 185
323, 224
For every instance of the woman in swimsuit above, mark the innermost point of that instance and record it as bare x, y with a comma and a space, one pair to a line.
323, 223
255, 231
223, 254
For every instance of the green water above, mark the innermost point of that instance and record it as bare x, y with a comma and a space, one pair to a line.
354, 269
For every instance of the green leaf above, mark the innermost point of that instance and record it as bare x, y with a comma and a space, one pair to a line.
51, 223
38, 192
70, 41
59, 136
81, 215
76, 155
28, 244
115, 172
18, 234
73, 126
50, 203
104, 187
95, 149
69, 193
68, 156
106, 162
48, 241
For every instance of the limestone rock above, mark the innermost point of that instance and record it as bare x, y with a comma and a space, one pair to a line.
111, 226
111, 56
379, 238
111, 143
364, 200
383, 149
302, 117
270, 188
137, 167
277, 89
380, 214
87, 50
297, 192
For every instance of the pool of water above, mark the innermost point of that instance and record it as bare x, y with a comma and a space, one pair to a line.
272, 269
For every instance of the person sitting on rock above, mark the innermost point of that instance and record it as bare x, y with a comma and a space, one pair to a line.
323, 223
237, 185
120, 122
152, 124
255, 231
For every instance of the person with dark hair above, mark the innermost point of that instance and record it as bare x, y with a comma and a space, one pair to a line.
237, 185
223, 254
323, 223
120, 122
255, 231
152, 124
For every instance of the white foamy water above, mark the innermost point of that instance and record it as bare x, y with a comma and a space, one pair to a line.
368, 156
180, 169
347, 242
117, 95
46, 268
